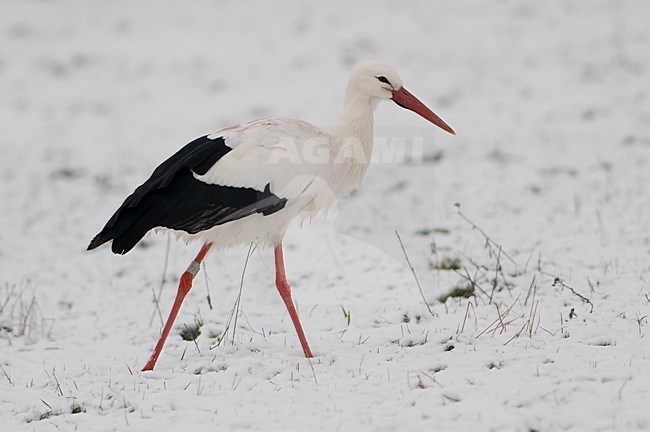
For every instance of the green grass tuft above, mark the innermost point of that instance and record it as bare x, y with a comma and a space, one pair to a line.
191, 332
446, 263
346, 314
463, 291
428, 231
77, 409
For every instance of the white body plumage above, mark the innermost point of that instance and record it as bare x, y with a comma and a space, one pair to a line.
249, 181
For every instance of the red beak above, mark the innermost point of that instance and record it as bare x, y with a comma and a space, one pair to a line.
405, 99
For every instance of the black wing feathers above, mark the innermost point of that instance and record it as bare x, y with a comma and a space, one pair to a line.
173, 198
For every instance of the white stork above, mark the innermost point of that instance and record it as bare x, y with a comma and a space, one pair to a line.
246, 183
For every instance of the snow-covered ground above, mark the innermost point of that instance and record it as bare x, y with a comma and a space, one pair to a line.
551, 102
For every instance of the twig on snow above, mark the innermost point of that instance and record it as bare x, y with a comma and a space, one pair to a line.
558, 282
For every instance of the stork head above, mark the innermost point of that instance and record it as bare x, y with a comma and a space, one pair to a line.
379, 81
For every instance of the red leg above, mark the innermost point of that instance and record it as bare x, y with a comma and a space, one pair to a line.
285, 293
183, 288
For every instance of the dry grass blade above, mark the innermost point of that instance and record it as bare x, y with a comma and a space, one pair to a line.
415, 276
469, 303
489, 243
496, 274
241, 288
234, 312
6, 375
207, 285
499, 319
21, 317
472, 281
533, 285
156, 298
519, 333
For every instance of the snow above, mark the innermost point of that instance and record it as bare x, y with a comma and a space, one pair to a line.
552, 161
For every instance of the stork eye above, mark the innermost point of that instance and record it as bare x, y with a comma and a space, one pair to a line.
383, 79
